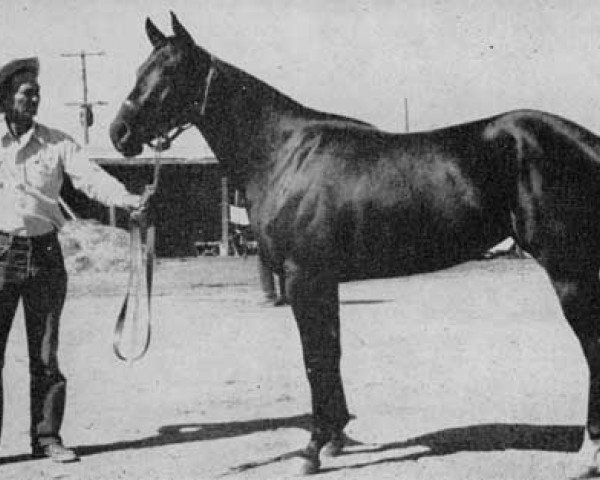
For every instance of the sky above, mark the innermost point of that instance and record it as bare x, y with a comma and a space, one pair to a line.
454, 61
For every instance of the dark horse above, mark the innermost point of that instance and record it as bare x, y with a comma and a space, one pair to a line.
334, 199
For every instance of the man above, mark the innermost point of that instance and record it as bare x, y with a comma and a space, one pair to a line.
33, 162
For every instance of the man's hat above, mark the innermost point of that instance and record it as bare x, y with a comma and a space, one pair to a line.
31, 64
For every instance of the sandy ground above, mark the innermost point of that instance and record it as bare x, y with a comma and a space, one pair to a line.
469, 373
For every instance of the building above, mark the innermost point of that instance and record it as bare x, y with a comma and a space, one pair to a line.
188, 199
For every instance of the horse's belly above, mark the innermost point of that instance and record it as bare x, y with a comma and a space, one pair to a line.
383, 255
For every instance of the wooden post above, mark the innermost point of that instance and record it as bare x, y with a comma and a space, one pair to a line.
224, 250
112, 216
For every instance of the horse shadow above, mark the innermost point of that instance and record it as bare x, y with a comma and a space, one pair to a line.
365, 302
474, 438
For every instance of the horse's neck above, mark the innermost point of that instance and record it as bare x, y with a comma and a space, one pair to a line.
245, 119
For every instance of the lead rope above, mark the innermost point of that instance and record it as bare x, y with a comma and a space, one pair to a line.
140, 253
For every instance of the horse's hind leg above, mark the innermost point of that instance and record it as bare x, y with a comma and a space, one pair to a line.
315, 303
578, 288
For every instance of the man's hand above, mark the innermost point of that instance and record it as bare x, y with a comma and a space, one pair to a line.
132, 202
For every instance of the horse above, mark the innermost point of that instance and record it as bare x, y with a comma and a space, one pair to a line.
334, 199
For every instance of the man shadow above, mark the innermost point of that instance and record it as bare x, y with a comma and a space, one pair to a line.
474, 438
187, 433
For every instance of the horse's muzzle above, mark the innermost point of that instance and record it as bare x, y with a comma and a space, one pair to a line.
123, 139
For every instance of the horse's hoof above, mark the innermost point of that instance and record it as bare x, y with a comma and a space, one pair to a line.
309, 466
333, 448
585, 464
583, 472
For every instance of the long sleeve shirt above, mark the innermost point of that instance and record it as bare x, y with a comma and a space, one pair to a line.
32, 170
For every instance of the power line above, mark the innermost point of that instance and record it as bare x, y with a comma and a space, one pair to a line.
85, 105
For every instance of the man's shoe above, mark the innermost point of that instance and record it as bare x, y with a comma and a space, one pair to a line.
56, 452
280, 302
268, 300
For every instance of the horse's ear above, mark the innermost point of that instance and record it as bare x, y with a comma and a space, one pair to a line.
155, 36
179, 30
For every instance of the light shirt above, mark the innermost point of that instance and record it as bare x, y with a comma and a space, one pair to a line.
32, 170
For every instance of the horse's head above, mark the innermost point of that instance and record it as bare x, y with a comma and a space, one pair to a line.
169, 92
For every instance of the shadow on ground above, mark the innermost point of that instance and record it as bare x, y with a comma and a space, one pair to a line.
478, 438
187, 432
365, 302
475, 438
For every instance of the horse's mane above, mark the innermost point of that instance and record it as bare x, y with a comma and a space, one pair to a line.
279, 100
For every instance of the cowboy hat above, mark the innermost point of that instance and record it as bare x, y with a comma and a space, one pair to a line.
18, 65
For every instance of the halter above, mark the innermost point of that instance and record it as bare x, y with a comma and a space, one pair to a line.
164, 141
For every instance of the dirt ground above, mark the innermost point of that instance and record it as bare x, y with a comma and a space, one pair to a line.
469, 373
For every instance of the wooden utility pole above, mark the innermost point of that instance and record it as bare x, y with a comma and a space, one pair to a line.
406, 126
85, 105
85, 110
224, 251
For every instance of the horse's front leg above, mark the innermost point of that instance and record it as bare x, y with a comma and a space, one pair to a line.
315, 303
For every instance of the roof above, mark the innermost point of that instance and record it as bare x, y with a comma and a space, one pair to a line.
106, 155
151, 160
